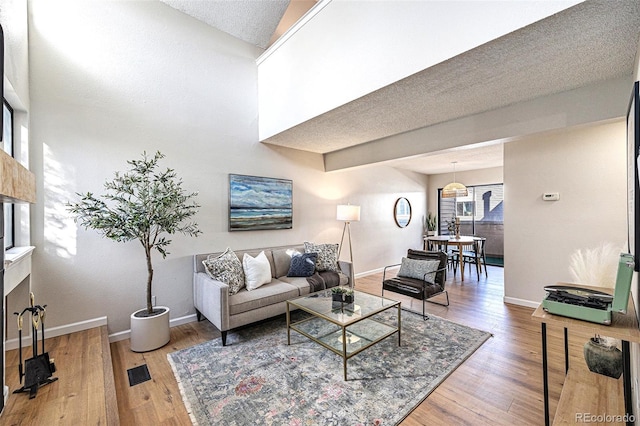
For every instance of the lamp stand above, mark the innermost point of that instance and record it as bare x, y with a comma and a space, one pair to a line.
346, 228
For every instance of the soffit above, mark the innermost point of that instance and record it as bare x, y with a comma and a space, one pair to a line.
588, 43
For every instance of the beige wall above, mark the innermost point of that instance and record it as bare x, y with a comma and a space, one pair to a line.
108, 82
587, 166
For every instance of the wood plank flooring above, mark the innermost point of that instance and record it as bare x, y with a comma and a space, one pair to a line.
500, 384
77, 397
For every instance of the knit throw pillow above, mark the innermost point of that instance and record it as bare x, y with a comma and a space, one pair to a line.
303, 265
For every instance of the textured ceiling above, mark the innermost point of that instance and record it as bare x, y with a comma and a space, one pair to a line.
587, 43
470, 157
253, 21
590, 42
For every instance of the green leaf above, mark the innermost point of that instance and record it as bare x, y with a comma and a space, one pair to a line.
142, 203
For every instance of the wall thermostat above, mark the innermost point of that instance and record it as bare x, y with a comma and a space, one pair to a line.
551, 196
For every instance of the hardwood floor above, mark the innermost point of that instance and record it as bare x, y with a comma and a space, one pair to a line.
500, 384
77, 397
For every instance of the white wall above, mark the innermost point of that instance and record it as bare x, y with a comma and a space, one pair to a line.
587, 166
110, 79
396, 39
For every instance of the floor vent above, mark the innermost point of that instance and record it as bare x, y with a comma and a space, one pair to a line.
138, 375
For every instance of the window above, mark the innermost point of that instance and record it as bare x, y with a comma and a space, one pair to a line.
7, 138
465, 208
480, 213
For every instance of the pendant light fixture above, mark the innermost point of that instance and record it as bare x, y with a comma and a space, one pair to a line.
454, 189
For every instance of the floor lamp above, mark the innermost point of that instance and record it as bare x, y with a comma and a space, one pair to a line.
348, 214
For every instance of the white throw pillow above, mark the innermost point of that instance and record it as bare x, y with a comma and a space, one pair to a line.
257, 270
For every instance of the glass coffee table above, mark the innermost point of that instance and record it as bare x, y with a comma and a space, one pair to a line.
344, 328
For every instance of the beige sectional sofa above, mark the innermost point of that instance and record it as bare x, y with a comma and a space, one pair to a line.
212, 298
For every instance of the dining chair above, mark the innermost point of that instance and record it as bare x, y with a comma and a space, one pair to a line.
452, 257
477, 256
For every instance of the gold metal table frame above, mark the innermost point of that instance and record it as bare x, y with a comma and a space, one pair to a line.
345, 329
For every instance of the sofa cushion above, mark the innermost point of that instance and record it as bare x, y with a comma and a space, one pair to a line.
257, 270
282, 260
302, 265
227, 269
327, 255
300, 283
275, 292
412, 268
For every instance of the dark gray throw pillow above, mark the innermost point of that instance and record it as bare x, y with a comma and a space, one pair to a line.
302, 265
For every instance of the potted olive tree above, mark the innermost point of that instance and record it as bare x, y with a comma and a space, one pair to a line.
142, 204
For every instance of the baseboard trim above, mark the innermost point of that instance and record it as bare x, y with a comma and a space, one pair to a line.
371, 272
85, 325
520, 302
56, 331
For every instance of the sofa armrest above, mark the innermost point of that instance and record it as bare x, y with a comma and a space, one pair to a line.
211, 299
347, 269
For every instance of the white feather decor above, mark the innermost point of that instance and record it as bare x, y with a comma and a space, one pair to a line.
596, 267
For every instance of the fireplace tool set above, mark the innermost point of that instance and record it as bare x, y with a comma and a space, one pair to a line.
36, 371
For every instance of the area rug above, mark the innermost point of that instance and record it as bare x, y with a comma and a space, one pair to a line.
257, 379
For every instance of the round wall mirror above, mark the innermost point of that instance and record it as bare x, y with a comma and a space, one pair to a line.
402, 212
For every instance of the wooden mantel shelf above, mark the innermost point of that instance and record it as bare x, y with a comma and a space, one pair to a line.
17, 183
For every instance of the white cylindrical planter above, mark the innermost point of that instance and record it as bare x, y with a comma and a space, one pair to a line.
150, 332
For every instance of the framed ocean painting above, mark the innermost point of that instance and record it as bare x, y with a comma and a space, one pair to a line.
260, 203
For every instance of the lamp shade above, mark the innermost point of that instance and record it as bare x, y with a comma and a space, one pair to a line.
454, 189
348, 213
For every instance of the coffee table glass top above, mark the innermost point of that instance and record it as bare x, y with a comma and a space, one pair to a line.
364, 305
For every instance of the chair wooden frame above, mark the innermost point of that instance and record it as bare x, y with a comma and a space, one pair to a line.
477, 256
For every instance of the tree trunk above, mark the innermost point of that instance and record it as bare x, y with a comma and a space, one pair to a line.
149, 280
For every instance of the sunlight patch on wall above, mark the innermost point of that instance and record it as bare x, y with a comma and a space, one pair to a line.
59, 226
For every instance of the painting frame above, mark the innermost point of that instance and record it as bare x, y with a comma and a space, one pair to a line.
259, 203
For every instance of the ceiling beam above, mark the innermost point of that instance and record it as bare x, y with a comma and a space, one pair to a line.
602, 101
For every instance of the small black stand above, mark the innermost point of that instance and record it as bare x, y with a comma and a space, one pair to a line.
37, 370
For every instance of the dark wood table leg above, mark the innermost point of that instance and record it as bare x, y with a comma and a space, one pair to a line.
626, 373
566, 351
545, 374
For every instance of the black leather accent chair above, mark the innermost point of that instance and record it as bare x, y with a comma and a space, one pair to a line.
422, 289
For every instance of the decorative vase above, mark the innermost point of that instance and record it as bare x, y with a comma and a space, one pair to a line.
150, 332
603, 359
342, 297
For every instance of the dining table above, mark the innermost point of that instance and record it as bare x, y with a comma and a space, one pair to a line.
450, 240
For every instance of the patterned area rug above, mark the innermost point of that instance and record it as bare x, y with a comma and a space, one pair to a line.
257, 379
